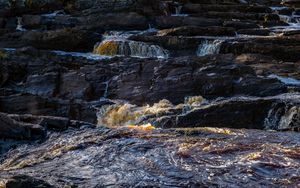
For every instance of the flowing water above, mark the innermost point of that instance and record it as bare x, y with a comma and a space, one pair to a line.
292, 20
117, 44
90, 56
286, 80
178, 11
209, 47
199, 157
19, 24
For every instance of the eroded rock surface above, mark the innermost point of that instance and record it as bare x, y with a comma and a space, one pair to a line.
157, 73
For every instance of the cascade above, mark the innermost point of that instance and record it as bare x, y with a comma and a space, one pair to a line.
20, 26
209, 47
129, 48
283, 116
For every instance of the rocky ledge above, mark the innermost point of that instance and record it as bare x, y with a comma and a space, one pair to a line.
139, 93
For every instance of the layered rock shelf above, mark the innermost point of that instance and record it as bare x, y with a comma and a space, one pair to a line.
140, 93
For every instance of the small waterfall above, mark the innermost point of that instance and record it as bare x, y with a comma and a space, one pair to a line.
285, 18
19, 25
209, 47
283, 116
178, 9
286, 80
130, 48
105, 94
293, 20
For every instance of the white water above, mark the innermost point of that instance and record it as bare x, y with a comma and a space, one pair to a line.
282, 117
209, 47
90, 56
135, 49
126, 47
288, 118
293, 20
54, 14
178, 11
104, 97
286, 80
20, 26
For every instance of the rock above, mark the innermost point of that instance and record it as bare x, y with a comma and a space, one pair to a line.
12, 129
11, 23
64, 39
151, 82
2, 22
196, 31
266, 65
160, 154
57, 123
273, 113
198, 8
240, 25
74, 86
171, 21
31, 21
279, 47
43, 85
118, 21
260, 32
30, 104
23, 181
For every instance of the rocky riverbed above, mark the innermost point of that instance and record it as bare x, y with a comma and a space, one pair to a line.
139, 93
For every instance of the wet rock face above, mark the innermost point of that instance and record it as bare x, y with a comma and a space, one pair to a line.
150, 82
12, 129
186, 90
64, 39
21, 181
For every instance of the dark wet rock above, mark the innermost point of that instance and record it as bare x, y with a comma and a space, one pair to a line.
240, 25
75, 85
198, 8
49, 122
64, 39
31, 21
251, 114
55, 123
151, 82
23, 181
283, 48
2, 22
17, 130
31, 104
171, 21
266, 65
11, 23
196, 31
43, 85
259, 32
118, 21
